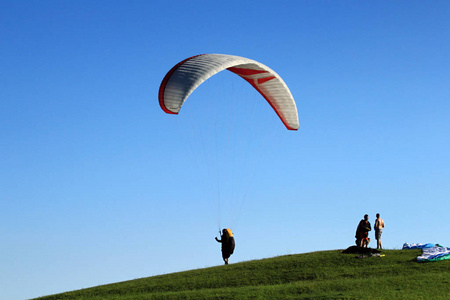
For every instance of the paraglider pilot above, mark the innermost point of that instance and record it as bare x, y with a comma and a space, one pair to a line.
227, 241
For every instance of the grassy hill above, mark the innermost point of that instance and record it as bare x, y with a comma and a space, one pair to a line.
316, 275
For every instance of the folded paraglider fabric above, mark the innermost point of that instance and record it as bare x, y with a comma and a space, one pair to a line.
435, 253
417, 246
430, 252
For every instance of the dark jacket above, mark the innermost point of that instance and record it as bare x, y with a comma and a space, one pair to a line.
362, 231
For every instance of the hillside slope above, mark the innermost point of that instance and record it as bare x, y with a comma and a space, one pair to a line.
316, 275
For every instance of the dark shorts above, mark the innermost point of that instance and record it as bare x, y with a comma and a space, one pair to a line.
378, 233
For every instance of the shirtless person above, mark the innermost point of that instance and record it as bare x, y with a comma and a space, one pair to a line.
379, 225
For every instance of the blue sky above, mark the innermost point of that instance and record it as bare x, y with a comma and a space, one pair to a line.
98, 185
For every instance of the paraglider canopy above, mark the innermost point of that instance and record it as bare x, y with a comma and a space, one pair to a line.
188, 74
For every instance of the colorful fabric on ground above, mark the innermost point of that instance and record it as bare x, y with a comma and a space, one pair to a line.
435, 253
417, 246
430, 252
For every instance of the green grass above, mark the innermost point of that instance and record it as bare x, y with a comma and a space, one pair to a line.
317, 275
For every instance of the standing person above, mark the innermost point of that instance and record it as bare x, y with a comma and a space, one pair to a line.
379, 225
227, 241
362, 232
